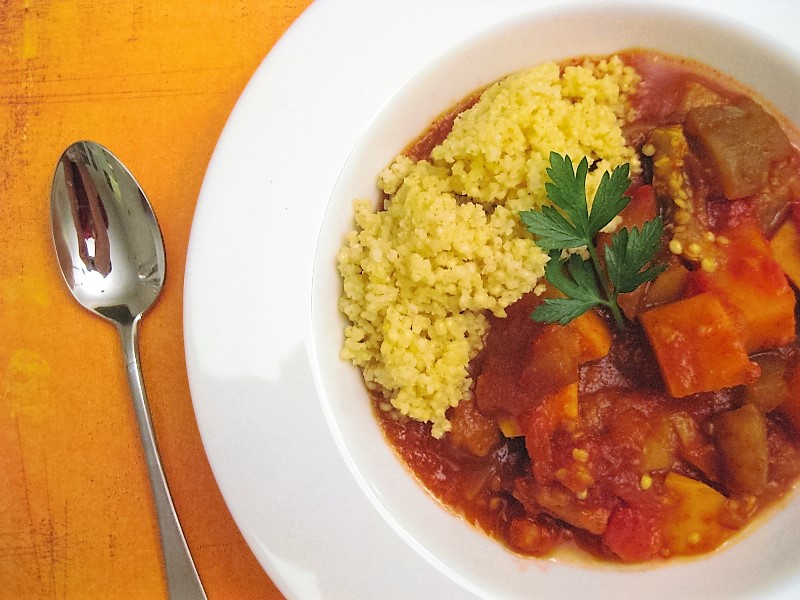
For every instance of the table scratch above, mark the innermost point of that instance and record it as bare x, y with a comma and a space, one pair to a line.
28, 503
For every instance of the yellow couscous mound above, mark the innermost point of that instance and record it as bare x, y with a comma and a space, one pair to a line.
419, 275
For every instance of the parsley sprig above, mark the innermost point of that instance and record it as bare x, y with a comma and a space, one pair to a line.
569, 224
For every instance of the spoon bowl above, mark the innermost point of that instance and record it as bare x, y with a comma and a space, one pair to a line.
107, 239
111, 253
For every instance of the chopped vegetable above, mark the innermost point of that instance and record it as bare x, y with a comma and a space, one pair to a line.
742, 140
532, 536
785, 246
658, 451
741, 436
552, 361
770, 390
694, 447
697, 346
692, 516
751, 284
695, 95
633, 534
775, 200
473, 430
594, 338
563, 504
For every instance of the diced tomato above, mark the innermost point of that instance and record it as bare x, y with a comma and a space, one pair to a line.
642, 207
539, 426
633, 534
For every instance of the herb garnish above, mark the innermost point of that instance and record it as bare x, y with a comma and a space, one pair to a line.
586, 283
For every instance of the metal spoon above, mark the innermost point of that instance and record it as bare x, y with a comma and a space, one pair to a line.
111, 254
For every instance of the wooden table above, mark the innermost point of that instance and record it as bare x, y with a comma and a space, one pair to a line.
154, 82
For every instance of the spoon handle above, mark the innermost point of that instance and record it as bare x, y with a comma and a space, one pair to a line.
183, 581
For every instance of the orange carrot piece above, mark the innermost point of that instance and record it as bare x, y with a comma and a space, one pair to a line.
751, 284
594, 338
697, 346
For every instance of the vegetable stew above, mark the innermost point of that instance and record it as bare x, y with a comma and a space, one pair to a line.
667, 436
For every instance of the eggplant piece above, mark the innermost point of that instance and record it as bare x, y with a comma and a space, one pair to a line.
741, 437
770, 390
742, 142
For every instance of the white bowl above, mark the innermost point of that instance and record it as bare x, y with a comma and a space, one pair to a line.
764, 561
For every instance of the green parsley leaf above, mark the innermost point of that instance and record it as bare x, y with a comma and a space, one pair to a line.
609, 199
552, 230
629, 253
568, 190
561, 310
579, 282
570, 224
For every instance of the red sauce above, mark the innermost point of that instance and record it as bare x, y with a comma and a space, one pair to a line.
612, 466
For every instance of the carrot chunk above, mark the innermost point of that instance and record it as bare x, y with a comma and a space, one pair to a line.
697, 346
751, 284
594, 338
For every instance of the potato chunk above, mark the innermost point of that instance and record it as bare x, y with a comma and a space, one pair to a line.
785, 246
692, 516
741, 436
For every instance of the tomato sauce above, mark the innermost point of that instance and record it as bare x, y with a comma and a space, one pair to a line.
629, 448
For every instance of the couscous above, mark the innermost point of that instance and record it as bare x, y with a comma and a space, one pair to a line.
447, 245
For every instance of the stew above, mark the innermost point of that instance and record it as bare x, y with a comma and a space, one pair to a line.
667, 437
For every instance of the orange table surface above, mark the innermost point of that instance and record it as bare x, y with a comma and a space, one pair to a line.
155, 83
